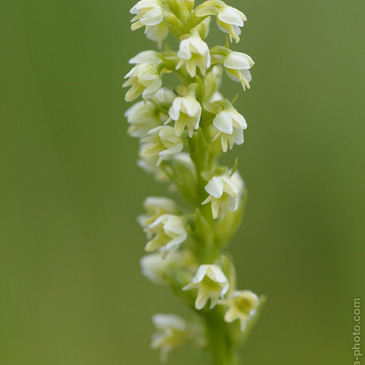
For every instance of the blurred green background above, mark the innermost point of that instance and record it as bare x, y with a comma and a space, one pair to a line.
71, 291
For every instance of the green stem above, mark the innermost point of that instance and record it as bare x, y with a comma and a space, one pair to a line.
219, 341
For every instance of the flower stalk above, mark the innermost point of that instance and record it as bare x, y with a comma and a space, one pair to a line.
183, 131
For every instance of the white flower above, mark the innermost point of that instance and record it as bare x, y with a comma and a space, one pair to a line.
144, 115
211, 284
163, 142
186, 112
168, 233
155, 267
148, 12
242, 305
229, 19
237, 66
193, 53
155, 207
172, 332
224, 193
230, 126
157, 33
144, 80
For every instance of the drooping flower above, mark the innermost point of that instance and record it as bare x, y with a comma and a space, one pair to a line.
144, 80
224, 193
211, 284
186, 112
144, 115
163, 142
172, 332
238, 66
242, 305
155, 207
229, 19
230, 126
147, 13
168, 232
193, 53
155, 266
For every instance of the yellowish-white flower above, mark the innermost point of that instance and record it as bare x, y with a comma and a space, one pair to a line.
168, 232
144, 115
155, 266
211, 284
172, 332
163, 142
193, 53
157, 33
186, 112
229, 19
144, 80
230, 126
242, 305
147, 13
224, 192
238, 66
155, 207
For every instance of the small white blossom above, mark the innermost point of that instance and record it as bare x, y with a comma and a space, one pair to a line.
144, 115
230, 126
148, 12
144, 80
155, 266
168, 233
229, 19
155, 207
211, 284
157, 33
186, 112
242, 305
163, 142
238, 66
193, 53
172, 332
224, 193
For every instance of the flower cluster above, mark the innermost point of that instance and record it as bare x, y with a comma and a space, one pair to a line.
182, 132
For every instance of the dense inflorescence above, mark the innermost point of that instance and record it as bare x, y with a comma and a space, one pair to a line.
183, 131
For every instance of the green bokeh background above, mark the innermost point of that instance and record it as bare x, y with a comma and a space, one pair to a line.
71, 292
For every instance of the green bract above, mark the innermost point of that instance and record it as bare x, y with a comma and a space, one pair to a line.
183, 132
